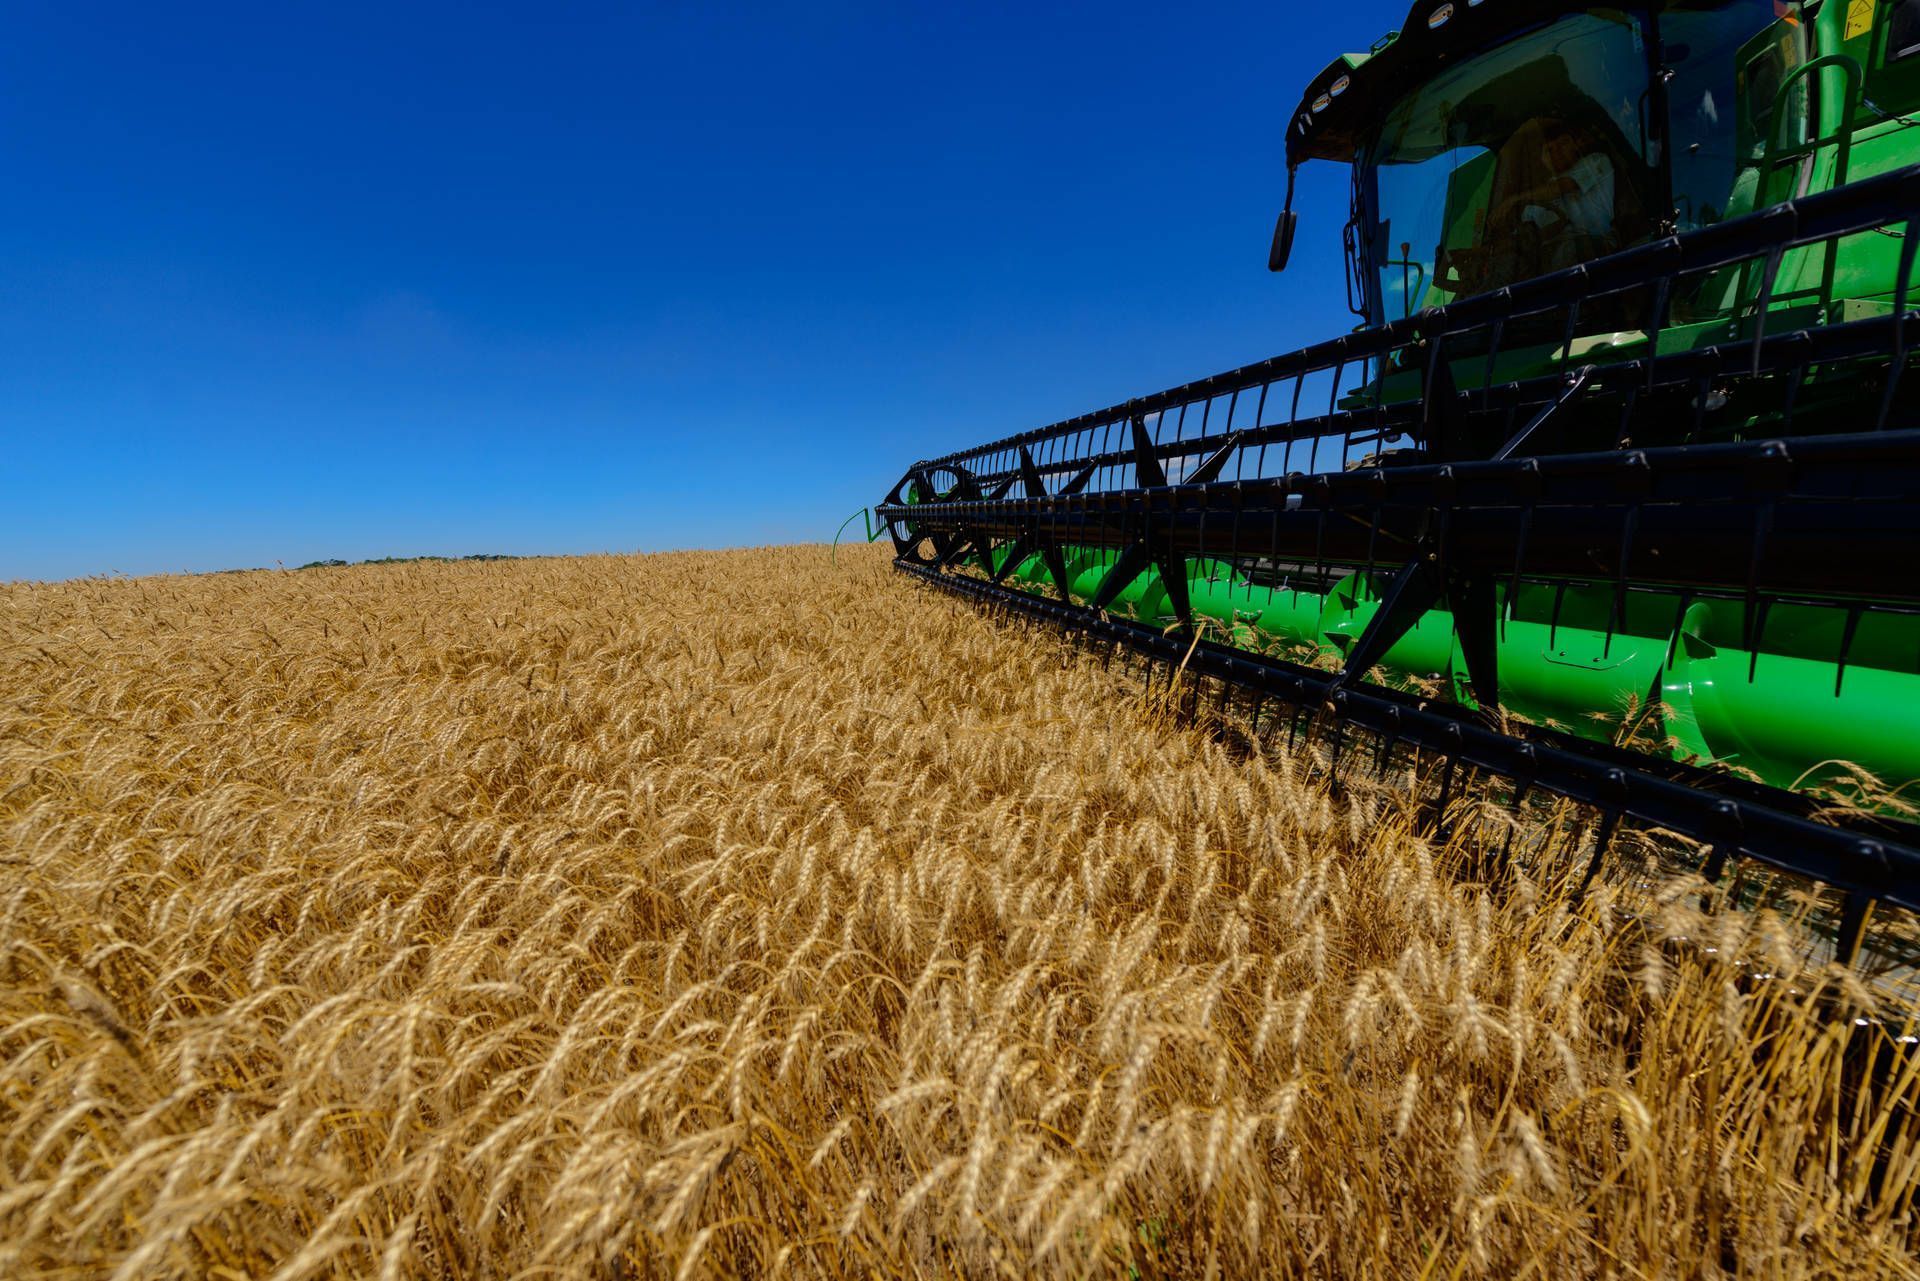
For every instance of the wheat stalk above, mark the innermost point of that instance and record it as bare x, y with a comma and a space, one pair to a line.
652, 916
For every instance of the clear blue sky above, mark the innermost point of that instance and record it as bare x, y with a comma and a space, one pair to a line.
287, 282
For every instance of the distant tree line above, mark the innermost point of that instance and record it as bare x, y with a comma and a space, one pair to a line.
401, 560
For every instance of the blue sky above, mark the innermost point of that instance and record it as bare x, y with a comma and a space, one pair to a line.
282, 283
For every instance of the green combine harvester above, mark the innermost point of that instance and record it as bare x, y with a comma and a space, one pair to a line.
1614, 492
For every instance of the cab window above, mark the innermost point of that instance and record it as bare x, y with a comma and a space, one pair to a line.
1729, 61
1525, 160
1903, 30
1892, 56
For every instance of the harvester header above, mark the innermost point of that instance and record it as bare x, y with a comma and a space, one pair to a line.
1615, 496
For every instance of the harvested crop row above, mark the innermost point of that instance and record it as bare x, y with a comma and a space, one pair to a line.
628, 916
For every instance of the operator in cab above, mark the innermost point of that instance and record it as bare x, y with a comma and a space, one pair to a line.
1557, 199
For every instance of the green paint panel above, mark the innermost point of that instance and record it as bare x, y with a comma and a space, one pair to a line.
1778, 704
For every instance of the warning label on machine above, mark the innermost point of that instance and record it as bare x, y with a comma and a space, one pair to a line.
1859, 18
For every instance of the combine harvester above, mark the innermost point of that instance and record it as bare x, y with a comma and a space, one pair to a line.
1614, 495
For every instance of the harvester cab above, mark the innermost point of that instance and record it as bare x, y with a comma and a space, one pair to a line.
1493, 143
1614, 492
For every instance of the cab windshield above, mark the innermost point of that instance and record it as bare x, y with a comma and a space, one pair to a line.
1548, 150
1527, 159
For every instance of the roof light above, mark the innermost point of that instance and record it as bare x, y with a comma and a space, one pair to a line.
1340, 86
1439, 17
1322, 103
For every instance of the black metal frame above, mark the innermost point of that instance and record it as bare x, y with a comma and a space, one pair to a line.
1219, 406
1506, 488
1781, 518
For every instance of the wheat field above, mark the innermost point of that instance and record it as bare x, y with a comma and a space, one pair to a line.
745, 914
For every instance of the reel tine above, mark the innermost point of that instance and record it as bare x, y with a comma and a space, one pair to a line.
1476, 618
1609, 822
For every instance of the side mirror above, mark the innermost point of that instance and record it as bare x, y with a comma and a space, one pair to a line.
1282, 240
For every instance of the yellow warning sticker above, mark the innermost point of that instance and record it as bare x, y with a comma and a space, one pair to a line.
1859, 17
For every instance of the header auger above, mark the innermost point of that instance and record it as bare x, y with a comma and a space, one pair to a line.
1615, 496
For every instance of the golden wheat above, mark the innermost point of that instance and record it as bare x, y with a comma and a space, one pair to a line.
741, 914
